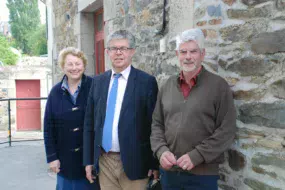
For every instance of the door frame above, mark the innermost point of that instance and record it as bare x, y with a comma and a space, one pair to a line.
99, 37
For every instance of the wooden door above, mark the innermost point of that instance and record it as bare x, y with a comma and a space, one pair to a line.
28, 111
99, 42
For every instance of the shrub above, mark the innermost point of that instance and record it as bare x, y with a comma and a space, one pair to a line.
6, 55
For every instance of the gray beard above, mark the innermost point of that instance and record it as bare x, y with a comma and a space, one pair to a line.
187, 69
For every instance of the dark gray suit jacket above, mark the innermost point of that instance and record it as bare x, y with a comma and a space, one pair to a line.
134, 126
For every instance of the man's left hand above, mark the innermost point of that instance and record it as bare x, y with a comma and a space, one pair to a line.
155, 173
185, 162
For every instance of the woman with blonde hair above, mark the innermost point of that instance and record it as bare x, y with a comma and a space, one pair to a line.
63, 122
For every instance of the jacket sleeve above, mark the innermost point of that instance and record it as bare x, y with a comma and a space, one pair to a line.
224, 134
152, 97
157, 138
88, 131
50, 131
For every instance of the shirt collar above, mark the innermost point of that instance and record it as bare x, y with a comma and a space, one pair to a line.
125, 73
64, 85
195, 77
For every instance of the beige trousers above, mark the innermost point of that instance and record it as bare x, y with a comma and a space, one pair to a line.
113, 177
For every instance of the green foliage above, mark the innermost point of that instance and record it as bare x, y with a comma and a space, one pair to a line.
24, 20
6, 55
37, 41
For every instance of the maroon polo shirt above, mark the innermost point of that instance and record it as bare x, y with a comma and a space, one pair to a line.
186, 87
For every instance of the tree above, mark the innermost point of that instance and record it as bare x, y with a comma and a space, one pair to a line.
24, 19
37, 41
6, 55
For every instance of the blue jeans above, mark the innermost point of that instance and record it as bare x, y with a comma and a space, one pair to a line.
79, 184
171, 180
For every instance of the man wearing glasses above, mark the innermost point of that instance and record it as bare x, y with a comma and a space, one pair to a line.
118, 121
193, 121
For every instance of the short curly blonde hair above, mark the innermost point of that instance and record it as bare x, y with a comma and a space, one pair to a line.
73, 51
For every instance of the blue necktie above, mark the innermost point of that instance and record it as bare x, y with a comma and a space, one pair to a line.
110, 112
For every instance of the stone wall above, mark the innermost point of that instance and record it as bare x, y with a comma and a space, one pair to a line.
28, 68
144, 20
244, 44
64, 30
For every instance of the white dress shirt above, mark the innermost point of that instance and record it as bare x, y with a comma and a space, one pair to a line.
122, 84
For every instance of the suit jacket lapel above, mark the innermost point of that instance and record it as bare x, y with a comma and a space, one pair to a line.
129, 90
104, 88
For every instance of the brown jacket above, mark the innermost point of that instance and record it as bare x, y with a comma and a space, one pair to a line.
203, 125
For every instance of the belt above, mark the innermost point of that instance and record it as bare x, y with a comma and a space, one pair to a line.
110, 152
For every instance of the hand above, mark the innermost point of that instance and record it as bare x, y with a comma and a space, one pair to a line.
89, 176
155, 173
185, 162
167, 160
54, 166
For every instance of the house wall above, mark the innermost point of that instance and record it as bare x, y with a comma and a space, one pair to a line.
244, 44
29, 68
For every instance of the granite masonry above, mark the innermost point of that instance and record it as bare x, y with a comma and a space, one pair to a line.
245, 44
27, 68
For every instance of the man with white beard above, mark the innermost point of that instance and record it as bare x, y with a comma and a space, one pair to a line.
194, 121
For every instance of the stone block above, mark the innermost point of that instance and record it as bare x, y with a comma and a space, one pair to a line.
231, 81
280, 4
279, 16
129, 20
143, 18
239, 33
265, 114
210, 33
142, 4
244, 133
262, 12
229, 2
251, 66
181, 16
212, 65
258, 185
237, 160
156, 8
264, 172
4, 75
278, 88
276, 160
126, 7
269, 42
253, 2
119, 21
201, 23
215, 21
199, 12
214, 11
248, 95
271, 143
4, 93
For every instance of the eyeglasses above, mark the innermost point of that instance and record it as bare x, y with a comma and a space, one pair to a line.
115, 49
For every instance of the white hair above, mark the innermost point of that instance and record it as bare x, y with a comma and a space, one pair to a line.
194, 34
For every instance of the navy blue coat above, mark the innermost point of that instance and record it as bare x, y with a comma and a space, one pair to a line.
63, 129
134, 127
